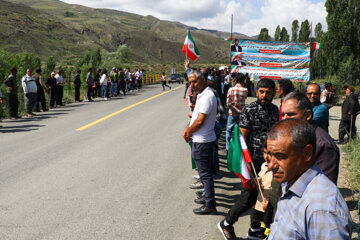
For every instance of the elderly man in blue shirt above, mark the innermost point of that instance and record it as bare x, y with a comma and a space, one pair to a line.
320, 111
311, 206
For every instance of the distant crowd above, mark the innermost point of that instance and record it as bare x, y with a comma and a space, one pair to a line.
102, 84
294, 166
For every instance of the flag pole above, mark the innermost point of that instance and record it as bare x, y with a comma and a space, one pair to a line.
231, 36
257, 180
186, 55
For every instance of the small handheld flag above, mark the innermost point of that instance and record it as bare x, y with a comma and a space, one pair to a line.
189, 48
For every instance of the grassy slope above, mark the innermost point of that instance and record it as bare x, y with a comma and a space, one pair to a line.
150, 39
352, 157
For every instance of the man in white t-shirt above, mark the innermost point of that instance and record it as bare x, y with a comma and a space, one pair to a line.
201, 130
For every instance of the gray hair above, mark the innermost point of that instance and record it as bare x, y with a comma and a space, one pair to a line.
303, 103
198, 74
300, 131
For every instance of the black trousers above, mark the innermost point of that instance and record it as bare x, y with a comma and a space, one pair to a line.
245, 201
255, 218
52, 97
59, 95
344, 129
40, 99
164, 84
89, 91
13, 104
118, 88
77, 94
202, 154
29, 102
123, 87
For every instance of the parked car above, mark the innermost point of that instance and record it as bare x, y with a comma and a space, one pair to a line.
176, 77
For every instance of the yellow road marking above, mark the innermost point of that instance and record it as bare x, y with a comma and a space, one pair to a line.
124, 109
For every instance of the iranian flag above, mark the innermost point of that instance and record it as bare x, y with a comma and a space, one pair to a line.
227, 39
317, 46
190, 48
238, 156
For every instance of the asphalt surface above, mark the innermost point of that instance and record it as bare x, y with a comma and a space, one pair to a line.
126, 177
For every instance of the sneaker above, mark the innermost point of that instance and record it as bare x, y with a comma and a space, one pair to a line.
227, 231
196, 185
256, 234
196, 177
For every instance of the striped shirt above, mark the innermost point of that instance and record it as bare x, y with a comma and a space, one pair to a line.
312, 208
236, 99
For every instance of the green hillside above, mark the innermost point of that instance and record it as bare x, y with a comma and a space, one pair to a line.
51, 27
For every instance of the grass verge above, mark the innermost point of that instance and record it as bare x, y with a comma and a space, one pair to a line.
352, 158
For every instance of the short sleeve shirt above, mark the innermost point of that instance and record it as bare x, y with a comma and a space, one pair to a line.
259, 120
206, 103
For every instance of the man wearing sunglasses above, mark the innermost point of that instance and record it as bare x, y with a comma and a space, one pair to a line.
320, 111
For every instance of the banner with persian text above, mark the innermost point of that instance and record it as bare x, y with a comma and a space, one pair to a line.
275, 60
258, 73
272, 47
272, 60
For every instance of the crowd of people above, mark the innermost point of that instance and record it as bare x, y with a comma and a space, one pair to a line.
297, 161
102, 84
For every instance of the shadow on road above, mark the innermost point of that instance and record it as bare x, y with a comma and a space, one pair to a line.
21, 128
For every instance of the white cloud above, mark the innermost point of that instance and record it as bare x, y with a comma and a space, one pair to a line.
249, 15
277, 12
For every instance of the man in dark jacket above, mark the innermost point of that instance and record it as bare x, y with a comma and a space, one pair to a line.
349, 112
77, 85
12, 91
97, 91
236, 47
40, 97
51, 85
327, 154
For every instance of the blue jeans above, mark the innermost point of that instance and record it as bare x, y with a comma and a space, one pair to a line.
218, 129
232, 120
103, 91
113, 89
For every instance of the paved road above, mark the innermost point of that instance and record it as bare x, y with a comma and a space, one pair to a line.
126, 177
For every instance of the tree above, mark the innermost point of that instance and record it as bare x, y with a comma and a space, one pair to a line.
284, 36
294, 30
277, 33
304, 34
264, 35
342, 40
349, 70
318, 32
123, 54
50, 65
96, 58
69, 14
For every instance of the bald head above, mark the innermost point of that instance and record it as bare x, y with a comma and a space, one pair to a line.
313, 92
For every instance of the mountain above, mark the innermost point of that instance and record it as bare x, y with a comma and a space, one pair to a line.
67, 31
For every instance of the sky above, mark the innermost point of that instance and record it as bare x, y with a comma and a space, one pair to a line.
249, 15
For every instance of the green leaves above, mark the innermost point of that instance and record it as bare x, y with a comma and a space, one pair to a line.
264, 35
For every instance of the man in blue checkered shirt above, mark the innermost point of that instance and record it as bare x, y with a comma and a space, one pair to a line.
311, 206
